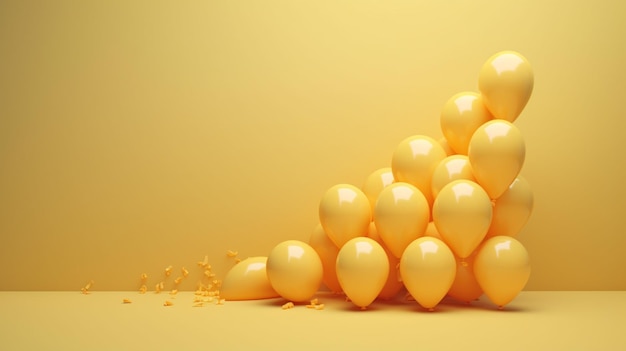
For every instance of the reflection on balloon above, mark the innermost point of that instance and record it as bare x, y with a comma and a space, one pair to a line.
294, 270
414, 161
375, 183
247, 280
506, 82
344, 213
401, 216
502, 268
427, 268
362, 269
496, 153
461, 116
451, 168
393, 285
462, 214
327, 252
512, 209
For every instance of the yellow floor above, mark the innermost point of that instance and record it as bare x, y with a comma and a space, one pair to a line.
100, 321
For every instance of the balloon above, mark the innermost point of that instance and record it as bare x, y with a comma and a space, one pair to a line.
462, 214
502, 268
393, 285
362, 269
294, 270
427, 268
401, 216
461, 116
247, 280
414, 161
506, 82
345, 213
446, 146
465, 286
326, 249
496, 153
512, 209
451, 168
431, 231
376, 182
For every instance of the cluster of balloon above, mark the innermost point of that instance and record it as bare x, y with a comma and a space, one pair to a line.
440, 221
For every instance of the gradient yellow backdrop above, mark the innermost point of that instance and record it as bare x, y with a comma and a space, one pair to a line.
140, 134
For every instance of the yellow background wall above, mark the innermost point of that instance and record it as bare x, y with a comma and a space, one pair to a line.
137, 135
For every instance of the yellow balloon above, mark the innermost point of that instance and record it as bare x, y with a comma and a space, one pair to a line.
496, 153
431, 231
462, 214
294, 270
247, 280
414, 161
345, 213
450, 169
512, 209
327, 251
502, 269
461, 116
506, 82
375, 183
446, 146
393, 285
465, 286
427, 268
362, 269
401, 216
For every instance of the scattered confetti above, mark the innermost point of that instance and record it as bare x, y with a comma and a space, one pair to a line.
231, 253
144, 277
126, 301
185, 272
168, 271
85, 289
288, 305
168, 303
143, 289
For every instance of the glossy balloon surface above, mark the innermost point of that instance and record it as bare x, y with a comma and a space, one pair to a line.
512, 209
465, 286
451, 168
327, 251
393, 285
294, 270
247, 280
344, 213
375, 183
461, 116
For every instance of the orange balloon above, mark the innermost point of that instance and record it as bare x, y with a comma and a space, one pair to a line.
326, 249
375, 183
401, 216
394, 282
506, 82
462, 214
465, 286
496, 153
502, 268
461, 116
414, 161
450, 169
512, 209
345, 213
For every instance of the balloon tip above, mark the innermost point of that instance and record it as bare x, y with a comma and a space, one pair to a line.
431, 309
500, 308
363, 308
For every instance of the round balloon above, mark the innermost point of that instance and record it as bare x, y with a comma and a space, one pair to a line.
375, 183
345, 213
512, 209
393, 285
450, 169
428, 268
247, 280
362, 269
401, 216
462, 214
294, 270
461, 116
327, 251
414, 161
496, 153
446, 146
506, 82
502, 269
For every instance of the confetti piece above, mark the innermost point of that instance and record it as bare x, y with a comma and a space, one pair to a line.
168, 303
198, 304
85, 289
319, 307
311, 306
144, 277
168, 271
288, 305
143, 289
237, 259
158, 288
205, 262
178, 280
231, 253
208, 274
220, 301
314, 302
174, 292
126, 301
185, 272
